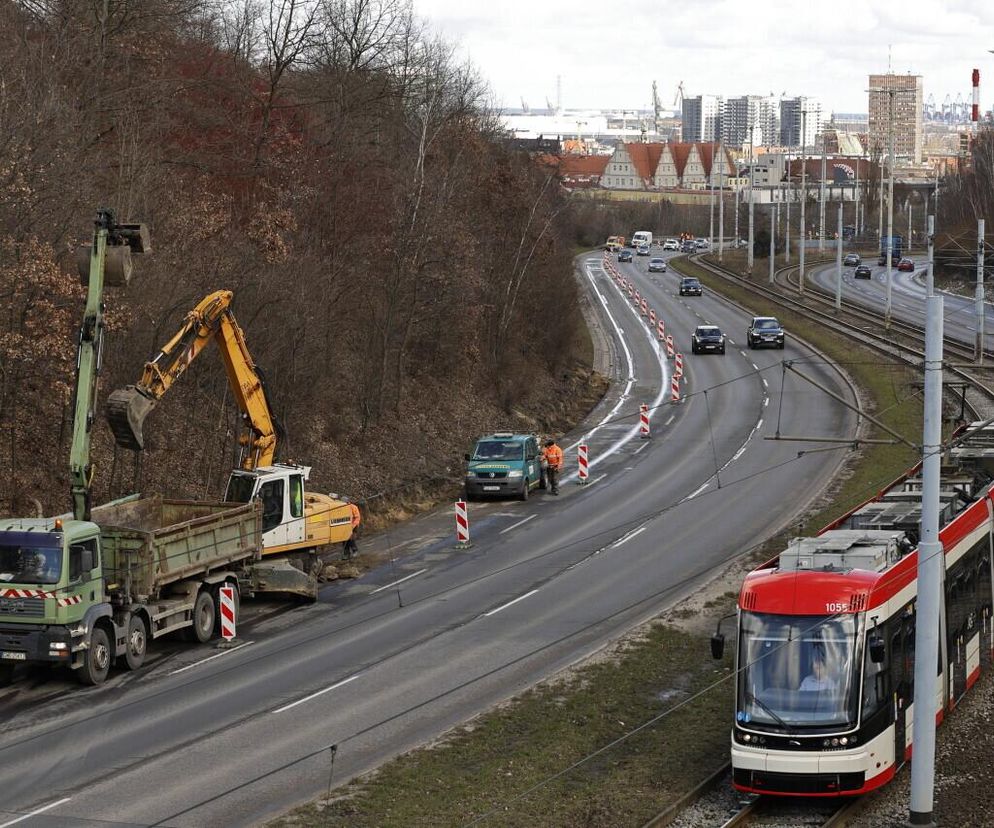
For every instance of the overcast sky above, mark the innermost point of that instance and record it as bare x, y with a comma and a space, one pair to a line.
609, 52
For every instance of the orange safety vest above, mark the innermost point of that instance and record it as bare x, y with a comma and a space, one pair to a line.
553, 456
356, 517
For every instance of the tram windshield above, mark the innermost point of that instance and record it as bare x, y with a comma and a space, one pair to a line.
797, 671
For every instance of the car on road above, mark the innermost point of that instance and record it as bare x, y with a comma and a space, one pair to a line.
642, 250
702, 244
851, 260
657, 265
688, 246
862, 272
906, 265
624, 255
671, 244
689, 286
708, 338
502, 464
765, 330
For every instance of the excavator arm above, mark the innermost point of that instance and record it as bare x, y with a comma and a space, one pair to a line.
211, 320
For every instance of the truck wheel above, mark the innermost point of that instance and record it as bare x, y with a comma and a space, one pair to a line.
137, 643
204, 617
96, 659
524, 491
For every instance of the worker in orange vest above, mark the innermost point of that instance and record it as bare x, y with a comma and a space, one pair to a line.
554, 462
350, 550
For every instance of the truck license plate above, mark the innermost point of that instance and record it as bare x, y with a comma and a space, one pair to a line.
7, 655
491, 488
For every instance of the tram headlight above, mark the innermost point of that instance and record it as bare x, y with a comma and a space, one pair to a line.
844, 741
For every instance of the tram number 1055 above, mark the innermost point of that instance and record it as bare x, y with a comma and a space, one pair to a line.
836, 606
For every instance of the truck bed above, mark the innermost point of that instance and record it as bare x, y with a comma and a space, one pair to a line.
152, 542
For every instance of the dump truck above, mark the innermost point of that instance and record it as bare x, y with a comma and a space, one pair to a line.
296, 524
86, 593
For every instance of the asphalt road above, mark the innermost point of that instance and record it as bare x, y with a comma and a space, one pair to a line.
907, 297
211, 737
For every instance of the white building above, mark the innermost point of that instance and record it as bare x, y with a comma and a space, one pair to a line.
701, 118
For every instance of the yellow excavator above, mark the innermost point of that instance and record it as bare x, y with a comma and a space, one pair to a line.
296, 524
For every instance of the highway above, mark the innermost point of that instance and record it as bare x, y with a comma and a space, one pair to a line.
385, 663
907, 297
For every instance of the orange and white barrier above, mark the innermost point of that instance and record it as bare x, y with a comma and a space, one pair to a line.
661, 331
670, 350
675, 389
581, 457
652, 316
462, 523
678, 365
643, 421
645, 308
226, 595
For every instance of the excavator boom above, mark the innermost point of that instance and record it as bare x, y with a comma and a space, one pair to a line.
210, 321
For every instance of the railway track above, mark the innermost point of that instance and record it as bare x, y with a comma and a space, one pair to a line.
902, 340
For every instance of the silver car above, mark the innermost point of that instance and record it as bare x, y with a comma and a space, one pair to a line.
657, 265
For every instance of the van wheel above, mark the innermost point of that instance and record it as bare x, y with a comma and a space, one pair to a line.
137, 643
204, 617
96, 658
524, 491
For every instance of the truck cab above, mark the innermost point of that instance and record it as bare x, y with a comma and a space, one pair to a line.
51, 590
502, 464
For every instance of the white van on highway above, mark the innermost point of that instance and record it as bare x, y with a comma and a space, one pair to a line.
641, 237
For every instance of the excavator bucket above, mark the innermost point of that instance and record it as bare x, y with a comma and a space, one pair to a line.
127, 409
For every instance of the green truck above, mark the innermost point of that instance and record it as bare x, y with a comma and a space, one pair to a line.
86, 593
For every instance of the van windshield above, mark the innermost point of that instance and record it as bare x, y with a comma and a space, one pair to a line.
498, 450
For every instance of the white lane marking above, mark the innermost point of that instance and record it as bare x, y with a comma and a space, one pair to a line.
401, 580
755, 366
628, 537
703, 486
670, 420
766, 401
765, 383
743, 353
599, 477
641, 448
516, 525
759, 425
204, 661
37, 811
335, 686
509, 603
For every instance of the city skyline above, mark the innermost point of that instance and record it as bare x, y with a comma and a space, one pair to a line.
789, 50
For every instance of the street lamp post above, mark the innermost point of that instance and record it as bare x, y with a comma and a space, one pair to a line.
890, 198
804, 198
821, 197
751, 171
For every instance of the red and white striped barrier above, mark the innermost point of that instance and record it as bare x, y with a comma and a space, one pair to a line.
462, 523
652, 316
643, 421
661, 331
670, 350
678, 365
67, 601
675, 389
631, 290
226, 594
645, 308
581, 457
638, 297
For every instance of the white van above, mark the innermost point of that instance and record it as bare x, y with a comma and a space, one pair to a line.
642, 237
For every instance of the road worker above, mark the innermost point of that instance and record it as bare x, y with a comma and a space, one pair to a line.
553, 456
350, 550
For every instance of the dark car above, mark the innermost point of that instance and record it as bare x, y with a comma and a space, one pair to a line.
906, 265
765, 330
863, 272
688, 246
708, 338
624, 255
689, 286
657, 265
851, 259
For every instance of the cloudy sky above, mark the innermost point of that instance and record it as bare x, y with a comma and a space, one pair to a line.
609, 52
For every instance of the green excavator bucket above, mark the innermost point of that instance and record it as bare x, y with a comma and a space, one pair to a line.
127, 409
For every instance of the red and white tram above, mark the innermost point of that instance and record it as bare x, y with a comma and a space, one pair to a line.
826, 635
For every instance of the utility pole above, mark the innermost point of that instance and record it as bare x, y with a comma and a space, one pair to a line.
773, 235
751, 260
786, 235
721, 203
978, 347
838, 263
856, 223
930, 566
737, 188
711, 223
890, 205
804, 197
821, 198
880, 203
930, 271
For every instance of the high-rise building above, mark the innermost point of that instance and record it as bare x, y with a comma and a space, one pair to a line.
800, 121
906, 91
742, 120
701, 118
